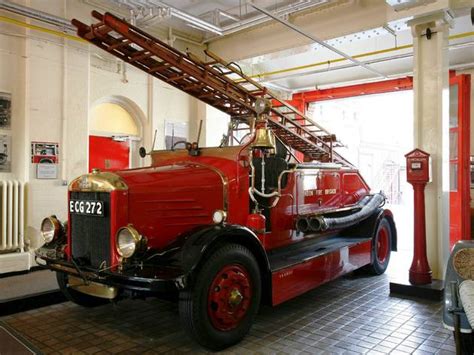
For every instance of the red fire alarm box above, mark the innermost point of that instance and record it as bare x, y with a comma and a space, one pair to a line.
44, 153
418, 166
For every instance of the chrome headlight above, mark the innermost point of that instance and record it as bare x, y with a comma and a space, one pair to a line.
50, 229
128, 240
219, 216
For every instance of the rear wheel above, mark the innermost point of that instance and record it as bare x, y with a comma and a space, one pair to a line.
75, 296
220, 306
381, 248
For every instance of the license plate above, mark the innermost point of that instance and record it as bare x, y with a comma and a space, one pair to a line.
87, 207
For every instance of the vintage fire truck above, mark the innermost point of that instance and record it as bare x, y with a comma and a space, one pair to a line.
224, 228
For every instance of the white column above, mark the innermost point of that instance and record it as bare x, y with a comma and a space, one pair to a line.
431, 129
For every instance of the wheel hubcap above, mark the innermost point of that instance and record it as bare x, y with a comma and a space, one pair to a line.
229, 297
383, 244
235, 298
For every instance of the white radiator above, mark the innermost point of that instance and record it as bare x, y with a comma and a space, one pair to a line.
12, 216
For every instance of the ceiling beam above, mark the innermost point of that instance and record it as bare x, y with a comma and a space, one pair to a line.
320, 42
337, 19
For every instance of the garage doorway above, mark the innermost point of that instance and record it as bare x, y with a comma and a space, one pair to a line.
382, 104
115, 133
377, 131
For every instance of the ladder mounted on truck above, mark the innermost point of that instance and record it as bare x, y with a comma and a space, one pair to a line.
218, 83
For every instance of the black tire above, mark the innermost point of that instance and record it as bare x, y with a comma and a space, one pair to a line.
467, 343
380, 261
195, 305
77, 297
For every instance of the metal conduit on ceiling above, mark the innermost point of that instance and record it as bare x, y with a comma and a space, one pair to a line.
239, 25
58, 21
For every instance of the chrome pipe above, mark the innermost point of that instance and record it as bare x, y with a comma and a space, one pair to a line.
36, 15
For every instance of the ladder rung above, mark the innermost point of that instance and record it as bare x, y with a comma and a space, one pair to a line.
121, 43
140, 55
159, 67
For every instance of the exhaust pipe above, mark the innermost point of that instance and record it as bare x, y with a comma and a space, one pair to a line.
368, 205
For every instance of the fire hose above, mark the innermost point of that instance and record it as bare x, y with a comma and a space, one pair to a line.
368, 205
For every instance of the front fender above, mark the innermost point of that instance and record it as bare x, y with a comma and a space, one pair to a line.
190, 249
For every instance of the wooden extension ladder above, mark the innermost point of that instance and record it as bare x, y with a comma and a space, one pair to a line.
218, 83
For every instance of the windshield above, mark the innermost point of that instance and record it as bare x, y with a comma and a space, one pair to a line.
218, 133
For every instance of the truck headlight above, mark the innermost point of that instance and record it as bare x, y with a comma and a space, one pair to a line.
128, 240
219, 216
50, 229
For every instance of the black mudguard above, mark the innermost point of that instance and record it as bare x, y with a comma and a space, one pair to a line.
368, 226
189, 250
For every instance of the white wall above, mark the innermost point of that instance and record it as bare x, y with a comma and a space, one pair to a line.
12, 78
54, 82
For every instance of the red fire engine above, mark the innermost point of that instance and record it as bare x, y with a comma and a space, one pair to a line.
228, 227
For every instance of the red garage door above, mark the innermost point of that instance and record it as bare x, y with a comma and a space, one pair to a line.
459, 164
108, 154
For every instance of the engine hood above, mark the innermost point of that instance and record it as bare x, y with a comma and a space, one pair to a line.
166, 201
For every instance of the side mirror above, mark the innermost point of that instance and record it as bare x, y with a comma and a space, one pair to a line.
142, 152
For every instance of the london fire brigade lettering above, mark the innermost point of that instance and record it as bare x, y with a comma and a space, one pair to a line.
313, 192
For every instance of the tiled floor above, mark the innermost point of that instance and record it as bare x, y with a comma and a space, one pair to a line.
352, 315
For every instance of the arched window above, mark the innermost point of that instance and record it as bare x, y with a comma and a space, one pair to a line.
112, 119
115, 133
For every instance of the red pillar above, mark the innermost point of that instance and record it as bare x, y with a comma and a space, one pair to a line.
420, 271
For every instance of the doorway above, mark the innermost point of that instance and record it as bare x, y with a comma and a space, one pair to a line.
390, 174
113, 136
377, 131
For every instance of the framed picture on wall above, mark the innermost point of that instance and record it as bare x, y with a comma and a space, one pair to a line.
5, 153
5, 110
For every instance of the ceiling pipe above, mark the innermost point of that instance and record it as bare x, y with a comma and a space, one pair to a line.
319, 41
56, 21
36, 15
198, 23
259, 19
179, 14
270, 76
374, 61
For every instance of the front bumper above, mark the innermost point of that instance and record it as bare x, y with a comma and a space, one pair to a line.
136, 277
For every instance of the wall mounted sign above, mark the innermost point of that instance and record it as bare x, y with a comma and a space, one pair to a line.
5, 110
5, 154
47, 171
44, 153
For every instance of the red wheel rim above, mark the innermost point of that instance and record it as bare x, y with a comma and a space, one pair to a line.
229, 297
382, 244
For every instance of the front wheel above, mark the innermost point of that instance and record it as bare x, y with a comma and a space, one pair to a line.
220, 306
381, 248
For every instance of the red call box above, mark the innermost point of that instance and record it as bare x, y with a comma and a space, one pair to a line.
418, 166
44, 152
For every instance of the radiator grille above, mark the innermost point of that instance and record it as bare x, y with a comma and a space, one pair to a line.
90, 235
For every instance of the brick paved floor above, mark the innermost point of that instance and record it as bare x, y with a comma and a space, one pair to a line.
352, 315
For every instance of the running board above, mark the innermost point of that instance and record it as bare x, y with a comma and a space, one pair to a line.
298, 270
283, 259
